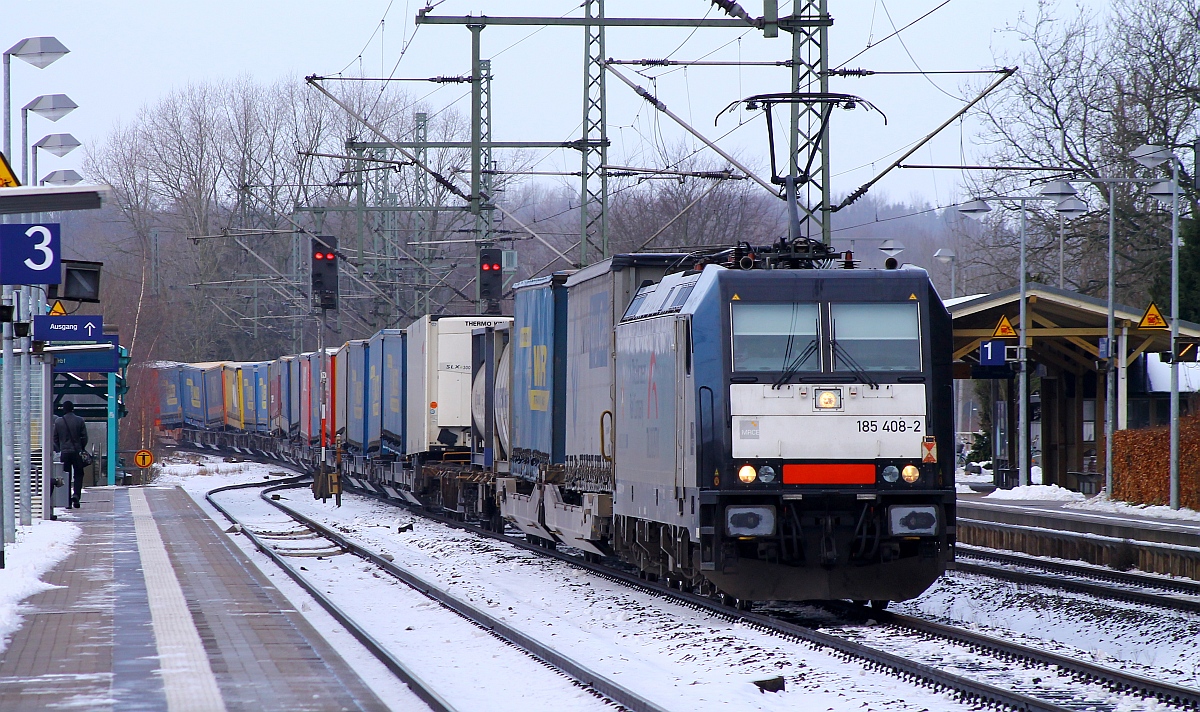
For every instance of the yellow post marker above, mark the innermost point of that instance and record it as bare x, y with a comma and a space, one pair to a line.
1153, 319
143, 458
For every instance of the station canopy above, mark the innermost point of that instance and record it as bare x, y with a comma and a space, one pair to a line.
1064, 327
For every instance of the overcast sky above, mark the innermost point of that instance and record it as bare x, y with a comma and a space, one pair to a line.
126, 54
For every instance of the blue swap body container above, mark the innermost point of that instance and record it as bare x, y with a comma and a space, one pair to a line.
201, 394
385, 392
539, 375
170, 396
213, 377
249, 412
279, 375
262, 397
394, 403
191, 385
293, 399
355, 397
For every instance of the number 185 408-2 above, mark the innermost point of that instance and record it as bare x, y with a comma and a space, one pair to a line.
889, 426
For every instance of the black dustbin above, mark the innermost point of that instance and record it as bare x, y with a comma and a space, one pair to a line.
1005, 477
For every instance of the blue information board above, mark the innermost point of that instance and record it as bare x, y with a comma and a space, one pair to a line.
90, 361
30, 254
991, 353
68, 328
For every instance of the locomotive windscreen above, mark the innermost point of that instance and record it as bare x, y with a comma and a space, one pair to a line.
876, 337
775, 337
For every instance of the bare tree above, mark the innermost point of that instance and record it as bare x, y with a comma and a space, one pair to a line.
1091, 89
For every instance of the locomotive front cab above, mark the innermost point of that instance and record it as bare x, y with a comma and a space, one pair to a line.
820, 468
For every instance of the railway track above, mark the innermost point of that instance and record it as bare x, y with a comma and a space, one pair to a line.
1176, 594
1083, 671
1117, 680
966, 688
268, 543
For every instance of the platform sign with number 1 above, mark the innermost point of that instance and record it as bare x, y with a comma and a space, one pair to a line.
991, 353
29, 254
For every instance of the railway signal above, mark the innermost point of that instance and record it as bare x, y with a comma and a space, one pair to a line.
491, 273
324, 272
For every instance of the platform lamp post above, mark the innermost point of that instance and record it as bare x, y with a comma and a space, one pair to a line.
976, 209
41, 52
946, 256
48, 106
63, 177
57, 144
1168, 192
1069, 207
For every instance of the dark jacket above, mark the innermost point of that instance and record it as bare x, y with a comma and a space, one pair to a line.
70, 434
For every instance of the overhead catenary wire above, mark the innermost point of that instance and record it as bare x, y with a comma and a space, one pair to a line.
662, 108
441, 179
862, 190
870, 46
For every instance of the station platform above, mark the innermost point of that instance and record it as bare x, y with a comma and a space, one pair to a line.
157, 609
1122, 541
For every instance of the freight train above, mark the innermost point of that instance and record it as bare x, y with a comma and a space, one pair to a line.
763, 423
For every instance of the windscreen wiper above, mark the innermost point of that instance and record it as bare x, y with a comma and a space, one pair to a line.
854, 366
795, 365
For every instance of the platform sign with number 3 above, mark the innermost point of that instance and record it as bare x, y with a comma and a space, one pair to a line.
29, 254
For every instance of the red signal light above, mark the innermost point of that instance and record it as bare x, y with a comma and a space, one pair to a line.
329, 255
485, 267
496, 268
318, 256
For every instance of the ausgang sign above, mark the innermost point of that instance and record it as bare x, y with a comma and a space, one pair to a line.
68, 328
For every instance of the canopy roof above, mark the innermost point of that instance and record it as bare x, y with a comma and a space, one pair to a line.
1064, 327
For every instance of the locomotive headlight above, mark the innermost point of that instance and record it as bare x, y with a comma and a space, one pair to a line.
766, 473
911, 474
891, 473
747, 474
828, 398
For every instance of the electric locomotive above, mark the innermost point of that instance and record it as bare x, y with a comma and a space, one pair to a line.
777, 431
739, 422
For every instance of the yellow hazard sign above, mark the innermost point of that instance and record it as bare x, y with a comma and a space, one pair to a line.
913, 296
57, 309
8, 179
143, 458
1153, 319
1004, 330
735, 298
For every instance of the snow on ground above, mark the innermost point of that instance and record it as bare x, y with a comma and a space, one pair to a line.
675, 655
1102, 503
39, 548
1151, 641
197, 474
1046, 493
466, 665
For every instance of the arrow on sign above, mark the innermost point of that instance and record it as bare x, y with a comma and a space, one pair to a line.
90, 327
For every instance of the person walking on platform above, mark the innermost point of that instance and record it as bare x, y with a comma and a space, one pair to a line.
70, 439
